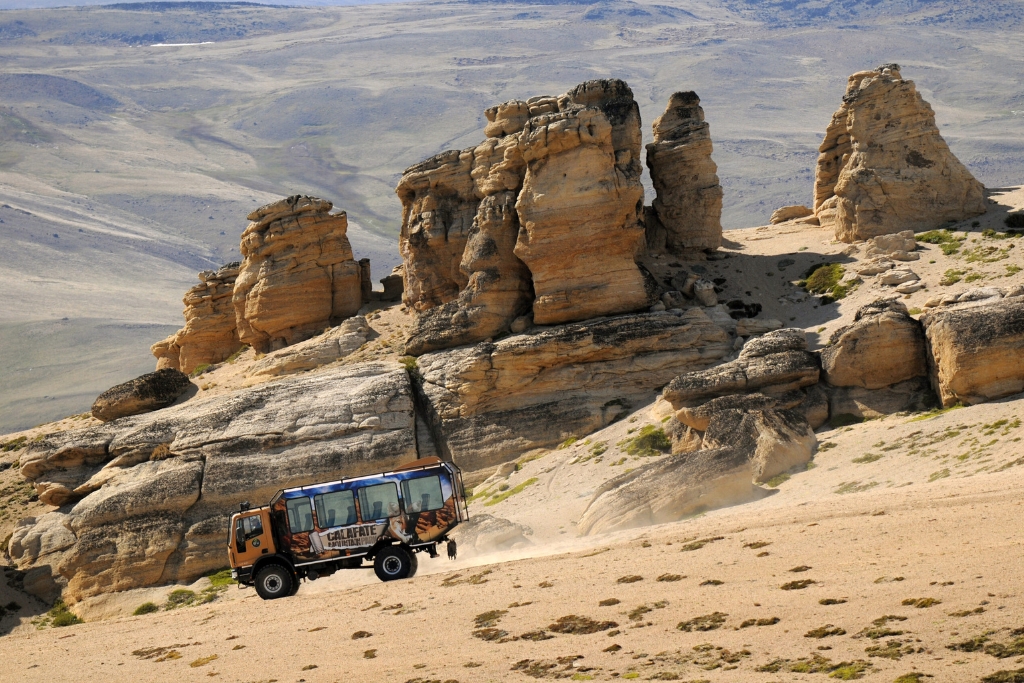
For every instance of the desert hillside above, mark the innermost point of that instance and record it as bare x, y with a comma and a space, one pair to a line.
127, 163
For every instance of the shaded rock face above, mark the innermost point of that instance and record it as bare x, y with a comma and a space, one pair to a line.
884, 167
152, 391
439, 202
542, 218
670, 489
298, 275
883, 346
688, 205
912, 395
976, 353
143, 500
210, 334
491, 402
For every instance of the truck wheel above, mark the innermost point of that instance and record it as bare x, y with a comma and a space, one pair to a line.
274, 581
393, 562
415, 565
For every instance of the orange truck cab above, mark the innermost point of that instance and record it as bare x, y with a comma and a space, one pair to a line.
306, 532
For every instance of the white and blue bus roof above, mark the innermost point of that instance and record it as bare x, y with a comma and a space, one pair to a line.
411, 470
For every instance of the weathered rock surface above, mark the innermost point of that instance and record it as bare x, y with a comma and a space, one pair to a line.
911, 395
439, 202
498, 290
580, 206
143, 499
884, 167
883, 346
210, 334
789, 213
298, 275
775, 441
976, 353
328, 347
494, 401
773, 364
979, 296
688, 204
700, 416
899, 246
670, 489
152, 391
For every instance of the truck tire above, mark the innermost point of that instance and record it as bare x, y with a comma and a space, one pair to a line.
415, 565
274, 581
392, 563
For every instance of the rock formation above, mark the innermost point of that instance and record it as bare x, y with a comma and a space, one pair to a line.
669, 489
540, 218
210, 334
884, 167
492, 402
774, 441
789, 213
144, 394
144, 499
298, 275
321, 350
580, 205
976, 353
883, 346
439, 203
688, 206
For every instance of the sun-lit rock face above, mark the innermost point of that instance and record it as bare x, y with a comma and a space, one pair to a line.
884, 167
688, 205
298, 275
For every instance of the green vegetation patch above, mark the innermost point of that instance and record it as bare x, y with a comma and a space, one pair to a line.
60, 615
951, 277
698, 544
986, 253
844, 671
706, 622
146, 608
824, 280
648, 442
866, 458
580, 625
826, 631
511, 492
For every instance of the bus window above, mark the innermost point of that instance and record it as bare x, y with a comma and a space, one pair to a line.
423, 494
378, 502
300, 515
335, 509
247, 527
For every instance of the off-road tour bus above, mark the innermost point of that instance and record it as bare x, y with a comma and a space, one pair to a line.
312, 531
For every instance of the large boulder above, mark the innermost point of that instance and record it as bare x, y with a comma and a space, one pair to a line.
669, 489
976, 353
491, 402
883, 346
298, 275
912, 395
688, 205
210, 334
884, 167
143, 500
774, 440
773, 364
152, 391
488, 534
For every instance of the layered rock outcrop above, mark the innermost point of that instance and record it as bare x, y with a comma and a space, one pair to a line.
152, 391
143, 499
493, 401
298, 275
884, 167
976, 353
542, 218
210, 334
688, 205
322, 349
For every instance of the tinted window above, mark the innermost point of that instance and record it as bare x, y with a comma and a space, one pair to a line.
422, 494
251, 526
335, 509
300, 515
378, 502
